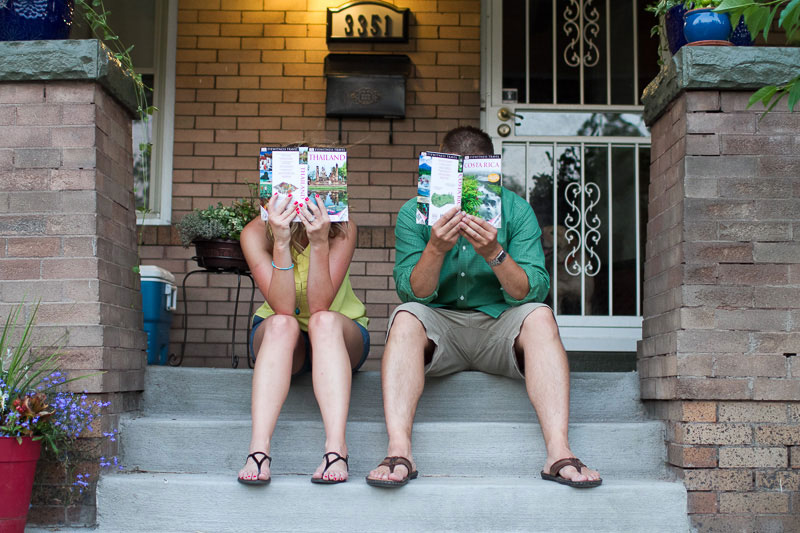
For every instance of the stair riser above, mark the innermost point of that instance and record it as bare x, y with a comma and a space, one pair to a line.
467, 396
618, 450
185, 503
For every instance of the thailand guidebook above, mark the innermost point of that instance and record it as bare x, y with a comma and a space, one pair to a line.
305, 172
471, 183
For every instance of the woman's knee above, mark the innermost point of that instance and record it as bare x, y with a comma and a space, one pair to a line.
281, 325
325, 323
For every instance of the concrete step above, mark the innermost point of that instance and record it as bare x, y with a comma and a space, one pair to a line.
190, 445
212, 503
466, 396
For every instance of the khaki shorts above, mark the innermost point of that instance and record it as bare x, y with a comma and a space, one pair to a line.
470, 340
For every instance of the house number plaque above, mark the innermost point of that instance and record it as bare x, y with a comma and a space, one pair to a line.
369, 22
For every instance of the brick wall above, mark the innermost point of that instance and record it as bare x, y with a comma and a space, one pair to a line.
250, 73
67, 238
719, 356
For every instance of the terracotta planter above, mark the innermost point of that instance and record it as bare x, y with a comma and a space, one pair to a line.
17, 467
220, 255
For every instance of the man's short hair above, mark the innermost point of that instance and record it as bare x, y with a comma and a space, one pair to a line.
467, 140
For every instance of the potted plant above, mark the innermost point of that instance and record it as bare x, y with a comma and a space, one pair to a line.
704, 26
670, 23
215, 233
35, 409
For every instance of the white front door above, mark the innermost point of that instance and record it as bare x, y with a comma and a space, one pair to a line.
561, 85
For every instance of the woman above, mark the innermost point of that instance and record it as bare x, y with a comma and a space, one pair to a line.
312, 320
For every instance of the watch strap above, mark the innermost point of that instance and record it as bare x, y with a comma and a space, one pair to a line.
499, 258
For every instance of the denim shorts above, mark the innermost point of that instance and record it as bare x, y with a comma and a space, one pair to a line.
257, 320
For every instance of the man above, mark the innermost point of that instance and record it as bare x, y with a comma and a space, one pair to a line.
472, 296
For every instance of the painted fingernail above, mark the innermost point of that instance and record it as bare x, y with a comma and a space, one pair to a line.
290, 195
276, 194
316, 196
295, 203
306, 198
301, 205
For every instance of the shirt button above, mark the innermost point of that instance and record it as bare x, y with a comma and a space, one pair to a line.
463, 247
462, 274
461, 297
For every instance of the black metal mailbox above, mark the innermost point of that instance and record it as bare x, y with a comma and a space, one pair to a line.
366, 85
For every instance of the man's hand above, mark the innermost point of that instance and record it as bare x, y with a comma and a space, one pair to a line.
481, 235
444, 233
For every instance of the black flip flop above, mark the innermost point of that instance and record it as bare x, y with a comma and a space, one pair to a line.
392, 462
258, 464
328, 463
558, 478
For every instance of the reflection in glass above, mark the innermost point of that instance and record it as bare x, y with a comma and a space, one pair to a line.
142, 134
514, 168
644, 181
580, 124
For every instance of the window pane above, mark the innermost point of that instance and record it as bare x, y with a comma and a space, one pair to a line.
540, 186
568, 51
594, 52
622, 47
514, 168
580, 123
623, 168
142, 135
541, 42
595, 239
514, 47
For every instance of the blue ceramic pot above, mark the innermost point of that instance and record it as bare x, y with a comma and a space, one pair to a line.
706, 25
673, 21
31, 20
741, 34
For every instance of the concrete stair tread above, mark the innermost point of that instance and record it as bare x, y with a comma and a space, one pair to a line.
199, 445
191, 502
595, 396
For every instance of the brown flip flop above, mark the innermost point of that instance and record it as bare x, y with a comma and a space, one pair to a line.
393, 462
558, 478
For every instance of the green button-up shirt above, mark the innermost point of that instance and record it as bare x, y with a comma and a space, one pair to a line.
466, 280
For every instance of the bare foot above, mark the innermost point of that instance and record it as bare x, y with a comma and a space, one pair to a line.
249, 471
570, 472
400, 473
336, 467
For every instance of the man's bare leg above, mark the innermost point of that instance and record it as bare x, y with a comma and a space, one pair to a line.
547, 383
402, 380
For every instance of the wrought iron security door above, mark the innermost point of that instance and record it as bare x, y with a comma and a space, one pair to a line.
561, 85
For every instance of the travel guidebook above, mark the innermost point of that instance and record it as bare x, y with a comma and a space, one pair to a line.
471, 183
305, 172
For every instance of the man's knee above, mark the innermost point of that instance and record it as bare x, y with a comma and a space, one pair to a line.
406, 324
541, 324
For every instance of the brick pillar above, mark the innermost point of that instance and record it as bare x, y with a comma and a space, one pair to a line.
719, 357
68, 229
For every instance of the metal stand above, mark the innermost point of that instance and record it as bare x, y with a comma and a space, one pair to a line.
176, 361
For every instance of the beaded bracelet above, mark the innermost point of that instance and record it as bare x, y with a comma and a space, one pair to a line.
282, 268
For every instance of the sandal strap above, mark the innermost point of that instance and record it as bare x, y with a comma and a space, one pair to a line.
394, 461
337, 457
260, 462
569, 461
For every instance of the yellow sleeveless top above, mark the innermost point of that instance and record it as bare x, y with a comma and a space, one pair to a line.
345, 302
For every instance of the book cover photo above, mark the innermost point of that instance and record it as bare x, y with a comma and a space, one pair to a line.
472, 183
327, 177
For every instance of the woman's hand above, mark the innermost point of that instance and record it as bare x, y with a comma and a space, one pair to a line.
281, 212
315, 219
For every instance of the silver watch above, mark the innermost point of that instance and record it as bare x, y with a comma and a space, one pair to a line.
499, 259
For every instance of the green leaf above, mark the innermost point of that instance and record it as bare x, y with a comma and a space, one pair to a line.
792, 10
756, 18
772, 13
731, 5
794, 92
763, 95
